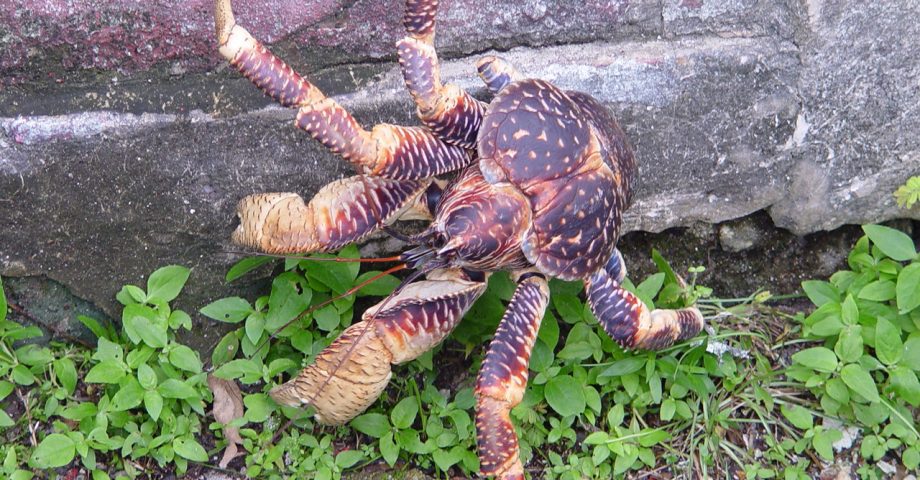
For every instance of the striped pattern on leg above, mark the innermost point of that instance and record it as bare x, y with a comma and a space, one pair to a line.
503, 378
630, 323
349, 375
496, 73
342, 212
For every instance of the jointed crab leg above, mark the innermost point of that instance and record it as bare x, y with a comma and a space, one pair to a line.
342, 212
628, 320
449, 111
387, 150
496, 73
503, 378
349, 375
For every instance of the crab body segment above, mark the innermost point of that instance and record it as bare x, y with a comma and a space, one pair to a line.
543, 176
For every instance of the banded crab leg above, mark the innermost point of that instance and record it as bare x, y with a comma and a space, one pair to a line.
628, 320
349, 375
390, 151
503, 378
342, 212
496, 73
448, 110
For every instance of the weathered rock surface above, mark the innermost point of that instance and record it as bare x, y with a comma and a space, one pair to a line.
136, 160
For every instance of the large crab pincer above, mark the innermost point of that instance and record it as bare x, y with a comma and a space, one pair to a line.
543, 176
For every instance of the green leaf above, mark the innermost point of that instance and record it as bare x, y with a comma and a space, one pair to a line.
34, 355
55, 450
80, 411
5, 420
239, 368
108, 371
66, 373
569, 308
908, 288
849, 312
905, 384
403, 414
820, 292
849, 347
94, 326
226, 349
22, 375
146, 377
817, 358
858, 379
878, 291
178, 318
798, 416
129, 395
289, 297
327, 318
153, 402
245, 266
229, 310
189, 448
255, 325
837, 390
893, 243
348, 458
185, 358
565, 395
371, 424
141, 324
388, 449
173, 388
911, 355
6, 388
823, 441
3, 304
888, 345
624, 366
258, 407
380, 287
166, 283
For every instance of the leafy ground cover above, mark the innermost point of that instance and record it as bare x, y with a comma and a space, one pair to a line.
766, 392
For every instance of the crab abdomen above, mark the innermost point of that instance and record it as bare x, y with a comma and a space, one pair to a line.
545, 143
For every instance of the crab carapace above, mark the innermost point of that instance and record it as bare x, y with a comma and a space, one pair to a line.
542, 178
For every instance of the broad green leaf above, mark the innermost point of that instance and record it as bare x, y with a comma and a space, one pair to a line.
189, 448
327, 318
146, 377
5, 420
289, 297
569, 308
94, 326
226, 349
22, 375
34, 355
798, 416
823, 441
893, 243
108, 371
817, 358
339, 276
173, 388
911, 356
6, 388
837, 390
388, 449
348, 458
166, 283
371, 424
549, 330
239, 368
565, 395
55, 450
141, 324
849, 346
908, 288
858, 379
258, 407
153, 402
403, 414
185, 358
66, 373
888, 345
79, 411
230, 310
378, 288
905, 384
255, 325
245, 266
878, 291
624, 366
128, 396
820, 292
849, 312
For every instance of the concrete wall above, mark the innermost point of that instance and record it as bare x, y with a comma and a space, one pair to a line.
125, 143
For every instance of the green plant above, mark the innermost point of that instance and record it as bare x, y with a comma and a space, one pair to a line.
866, 369
909, 193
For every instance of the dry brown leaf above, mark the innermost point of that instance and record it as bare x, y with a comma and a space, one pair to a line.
228, 406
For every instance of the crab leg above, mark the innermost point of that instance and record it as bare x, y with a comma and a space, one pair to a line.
449, 111
342, 212
628, 320
349, 375
496, 73
386, 150
503, 378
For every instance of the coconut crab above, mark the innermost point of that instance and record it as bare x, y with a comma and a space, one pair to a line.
543, 177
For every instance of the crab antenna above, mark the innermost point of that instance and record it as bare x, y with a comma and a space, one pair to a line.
316, 307
395, 258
